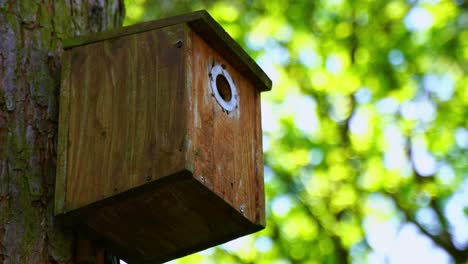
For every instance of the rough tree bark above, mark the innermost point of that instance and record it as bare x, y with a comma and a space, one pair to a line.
31, 32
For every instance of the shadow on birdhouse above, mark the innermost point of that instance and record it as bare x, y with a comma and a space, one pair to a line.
160, 140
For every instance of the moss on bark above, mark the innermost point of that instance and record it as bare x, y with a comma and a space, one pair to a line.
31, 33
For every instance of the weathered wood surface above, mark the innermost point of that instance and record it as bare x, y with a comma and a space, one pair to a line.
148, 161
202, 23
226, 149
166, 219
126, 115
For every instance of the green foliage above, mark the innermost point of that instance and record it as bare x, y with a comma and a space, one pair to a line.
365, 130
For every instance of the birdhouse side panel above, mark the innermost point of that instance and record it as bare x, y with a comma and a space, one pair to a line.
225, 129
127, 122
62, 144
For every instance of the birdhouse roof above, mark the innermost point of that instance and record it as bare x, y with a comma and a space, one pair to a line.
202, 23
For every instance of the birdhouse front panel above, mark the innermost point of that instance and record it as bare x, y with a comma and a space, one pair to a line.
160, 144
127, 122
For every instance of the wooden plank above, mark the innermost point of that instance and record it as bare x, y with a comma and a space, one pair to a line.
133, 29
128, 105
258, 183
224, 147
144, 234
62, 148
206, 26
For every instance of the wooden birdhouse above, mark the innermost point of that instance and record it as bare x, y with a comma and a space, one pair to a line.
160, 139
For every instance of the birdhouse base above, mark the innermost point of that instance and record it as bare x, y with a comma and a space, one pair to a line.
159, 228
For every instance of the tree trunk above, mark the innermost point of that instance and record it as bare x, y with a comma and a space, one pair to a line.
31, 32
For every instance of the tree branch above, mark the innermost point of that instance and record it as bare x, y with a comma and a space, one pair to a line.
458, 255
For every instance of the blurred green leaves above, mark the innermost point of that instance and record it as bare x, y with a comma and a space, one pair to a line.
365, 130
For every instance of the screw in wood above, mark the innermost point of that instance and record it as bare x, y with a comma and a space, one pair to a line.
202, 179
242, 208
179, 44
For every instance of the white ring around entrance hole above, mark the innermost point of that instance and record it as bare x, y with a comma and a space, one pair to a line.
216, 72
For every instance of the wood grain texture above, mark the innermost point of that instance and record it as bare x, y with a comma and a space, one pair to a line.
150, 164
62, 148
226, 148
202, 23
126, 126
162, 220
